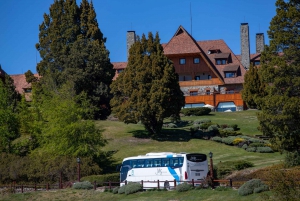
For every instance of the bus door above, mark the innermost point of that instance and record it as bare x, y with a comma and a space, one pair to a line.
124, 171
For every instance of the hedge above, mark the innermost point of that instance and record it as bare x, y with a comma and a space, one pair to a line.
195, 111
252, 186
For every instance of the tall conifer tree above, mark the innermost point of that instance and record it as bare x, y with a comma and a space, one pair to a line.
148, 90
72, 48
280, 116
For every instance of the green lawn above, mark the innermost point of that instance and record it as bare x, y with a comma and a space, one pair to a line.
132, 140
89, 195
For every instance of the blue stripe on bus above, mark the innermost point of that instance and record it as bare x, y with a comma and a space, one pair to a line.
174, 174
170, 156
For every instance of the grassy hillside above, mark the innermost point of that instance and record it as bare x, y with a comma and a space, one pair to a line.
131, 139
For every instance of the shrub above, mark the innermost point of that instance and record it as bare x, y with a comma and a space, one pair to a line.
236, 141
217, 139
264, 150
257, 144
228, 140
245, 146
292, 159
100, 179
240, 165
254, 140
195, 111
121, 190
226, 133
83, 185
183, 187
251, 149
204, 126
234, 126
223, 126
248, 187
225, 168
213, 128
115, 190
133, 188
228, 129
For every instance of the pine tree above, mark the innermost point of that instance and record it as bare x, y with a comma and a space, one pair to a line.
253, 87
72, 49
280, 116
148, 90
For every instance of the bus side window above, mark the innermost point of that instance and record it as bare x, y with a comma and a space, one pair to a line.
148, 162
157, 162
141, 163
165, 162
134, 163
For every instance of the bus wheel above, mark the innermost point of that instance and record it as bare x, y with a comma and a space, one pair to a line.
166, 185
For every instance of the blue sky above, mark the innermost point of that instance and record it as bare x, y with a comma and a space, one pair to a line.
211, 20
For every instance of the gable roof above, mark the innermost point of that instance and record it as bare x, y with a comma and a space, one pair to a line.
181, 43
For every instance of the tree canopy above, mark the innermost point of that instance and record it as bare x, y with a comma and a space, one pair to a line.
253, 87
72, 48
148, 90
280, 70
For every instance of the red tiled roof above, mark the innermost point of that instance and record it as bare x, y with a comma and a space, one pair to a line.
119, 65
181, 43
20, 83
222, 46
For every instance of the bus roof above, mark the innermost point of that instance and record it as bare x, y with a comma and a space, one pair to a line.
157, 155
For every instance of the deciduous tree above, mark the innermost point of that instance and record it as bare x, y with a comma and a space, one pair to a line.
148, 90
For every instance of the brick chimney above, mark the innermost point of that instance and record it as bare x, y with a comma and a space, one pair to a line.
245, 45
260, 42
130, 40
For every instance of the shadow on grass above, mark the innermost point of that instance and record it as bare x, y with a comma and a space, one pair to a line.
180, 135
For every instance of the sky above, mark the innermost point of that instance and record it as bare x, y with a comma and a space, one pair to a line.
203, 19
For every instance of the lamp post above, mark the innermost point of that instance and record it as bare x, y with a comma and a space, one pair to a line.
211, 165
78, 168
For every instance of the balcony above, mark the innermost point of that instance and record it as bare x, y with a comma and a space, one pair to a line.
213, 81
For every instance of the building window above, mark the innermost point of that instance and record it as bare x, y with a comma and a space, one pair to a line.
196, 60
256, 63
28, 90
209, 77
120, 70
181, 61
197, 77
207, 92
193, 93
221, 61
229, 74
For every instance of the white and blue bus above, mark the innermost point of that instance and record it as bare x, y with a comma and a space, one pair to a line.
165, 167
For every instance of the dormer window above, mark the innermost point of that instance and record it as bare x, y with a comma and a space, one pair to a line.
230, 74
222, 58
182, 61
221, 61
196, 60
213, 51
231, 71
